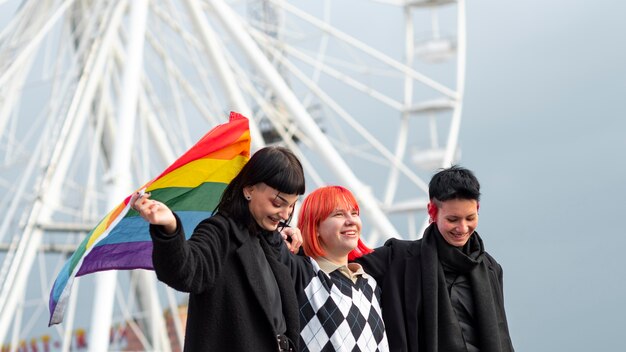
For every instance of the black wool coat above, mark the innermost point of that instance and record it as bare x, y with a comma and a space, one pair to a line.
228, 309
395, 266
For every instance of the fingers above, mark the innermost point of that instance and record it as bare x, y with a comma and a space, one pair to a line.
147, 208
140, 201
133, 199
153, 211
296, 240
293, 238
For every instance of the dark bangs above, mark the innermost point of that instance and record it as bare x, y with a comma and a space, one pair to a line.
287, 181
279, 168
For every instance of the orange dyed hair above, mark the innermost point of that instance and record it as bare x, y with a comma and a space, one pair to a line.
315, 208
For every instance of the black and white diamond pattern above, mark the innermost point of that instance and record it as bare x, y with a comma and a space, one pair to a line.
339, 315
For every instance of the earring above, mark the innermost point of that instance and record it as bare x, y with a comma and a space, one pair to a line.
248, 197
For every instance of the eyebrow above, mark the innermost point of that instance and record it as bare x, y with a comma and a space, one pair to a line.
278, 196
349, 209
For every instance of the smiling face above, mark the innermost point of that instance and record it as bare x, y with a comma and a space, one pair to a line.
339, 234
268, 206
456, 220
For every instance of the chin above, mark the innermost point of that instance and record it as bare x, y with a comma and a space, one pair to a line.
270, 227
456, 243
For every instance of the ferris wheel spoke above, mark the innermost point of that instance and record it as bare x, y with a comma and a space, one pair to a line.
215, 51
395, 162
367, 49
344, 78
33, 43
174, 74
191, 46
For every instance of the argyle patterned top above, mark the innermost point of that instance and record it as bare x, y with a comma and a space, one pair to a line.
335, 313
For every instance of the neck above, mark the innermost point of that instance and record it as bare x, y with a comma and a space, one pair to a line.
339, 260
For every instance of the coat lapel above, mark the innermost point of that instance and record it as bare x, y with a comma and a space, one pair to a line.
247, 255
287, 293
412, 296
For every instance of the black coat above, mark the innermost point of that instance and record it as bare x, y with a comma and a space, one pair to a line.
228, 308
395, 268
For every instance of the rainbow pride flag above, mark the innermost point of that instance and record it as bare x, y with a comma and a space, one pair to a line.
191, 186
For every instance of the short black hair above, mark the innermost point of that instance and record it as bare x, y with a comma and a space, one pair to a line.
275, 166
454, 182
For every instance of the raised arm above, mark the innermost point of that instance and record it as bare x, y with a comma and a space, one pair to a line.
187, 265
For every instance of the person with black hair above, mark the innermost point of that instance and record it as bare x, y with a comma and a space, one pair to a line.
444, 292
241, 298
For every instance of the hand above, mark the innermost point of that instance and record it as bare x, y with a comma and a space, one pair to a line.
153, 211
292, 237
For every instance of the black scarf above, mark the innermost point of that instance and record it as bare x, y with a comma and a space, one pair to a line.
287, 293
441, 329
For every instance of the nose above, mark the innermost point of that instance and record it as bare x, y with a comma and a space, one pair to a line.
351, 218
284, 213
464, 227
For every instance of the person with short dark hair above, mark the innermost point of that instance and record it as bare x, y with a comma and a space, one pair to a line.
241, 297
444, 292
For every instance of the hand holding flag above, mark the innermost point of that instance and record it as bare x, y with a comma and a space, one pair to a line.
153, 211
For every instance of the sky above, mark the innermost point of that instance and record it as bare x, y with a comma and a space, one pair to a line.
543, 128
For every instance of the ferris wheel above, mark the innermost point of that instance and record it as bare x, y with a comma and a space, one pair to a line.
96, 97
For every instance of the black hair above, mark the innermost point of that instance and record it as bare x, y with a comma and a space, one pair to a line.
276, 166
454, 182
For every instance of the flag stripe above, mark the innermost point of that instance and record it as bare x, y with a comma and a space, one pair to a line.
202, 198
115, 256
198, 171
135, 229
112, 215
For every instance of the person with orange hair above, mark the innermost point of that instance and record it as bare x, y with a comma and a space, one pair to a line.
339, 302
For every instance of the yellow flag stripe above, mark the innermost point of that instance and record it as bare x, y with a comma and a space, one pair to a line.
199, 171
